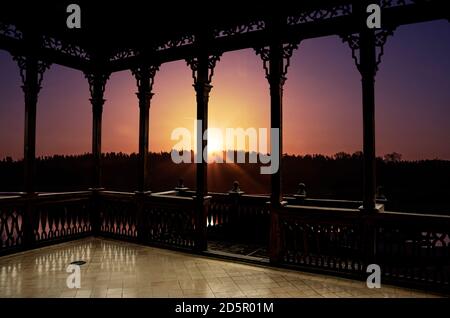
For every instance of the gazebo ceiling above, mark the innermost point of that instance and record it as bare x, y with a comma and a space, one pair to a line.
120, 34
120, 24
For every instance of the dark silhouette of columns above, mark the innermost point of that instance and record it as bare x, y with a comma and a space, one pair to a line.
31, 90
276, 61
202, 88
276, 80
31, 72
368, 68
97, 82
202, 67
144, 76
370, 44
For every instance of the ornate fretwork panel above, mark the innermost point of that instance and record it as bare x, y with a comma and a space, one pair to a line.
119, 219
183, 40
97, 82
123, 54
10, 31
169, 224
397, 3
218, 213
145, 77
65, 48
287, 51
353, 41
240, 29
11, 230
414, 252
319, 14
57, 221
42, 66
193, 64
316, 244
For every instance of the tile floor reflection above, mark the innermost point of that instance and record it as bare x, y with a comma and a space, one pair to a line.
117, 269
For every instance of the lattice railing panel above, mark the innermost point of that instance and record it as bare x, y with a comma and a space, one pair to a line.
170, 224
119, 218
319, 243
11, 230
60, 220
414, 251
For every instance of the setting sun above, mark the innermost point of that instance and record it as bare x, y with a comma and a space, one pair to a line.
215, 142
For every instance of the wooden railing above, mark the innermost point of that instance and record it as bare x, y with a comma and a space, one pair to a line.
118, 215
410, 248
171, 221
12, 210
413, 248
321, 238
62, 216
157, 219
236, 217
36, 220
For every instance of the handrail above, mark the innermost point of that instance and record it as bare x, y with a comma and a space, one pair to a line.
11, 193
11, 198
168, 198
413, 215
20, 196
44, 194
170, 192
411, 247
310, 211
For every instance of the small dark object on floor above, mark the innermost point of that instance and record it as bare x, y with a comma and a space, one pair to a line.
79, 263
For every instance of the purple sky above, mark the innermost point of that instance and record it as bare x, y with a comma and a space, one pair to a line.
322, 100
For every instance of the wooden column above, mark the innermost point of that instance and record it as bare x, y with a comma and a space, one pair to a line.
144, 76
369, 43
31, 71
368, 70
367, 50
97, 82
276, 61
31, 90
202, 89
276, 80
202, 71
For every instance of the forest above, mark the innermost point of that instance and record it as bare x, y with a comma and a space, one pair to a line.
409, 186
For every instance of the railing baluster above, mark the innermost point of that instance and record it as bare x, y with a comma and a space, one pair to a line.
410, 248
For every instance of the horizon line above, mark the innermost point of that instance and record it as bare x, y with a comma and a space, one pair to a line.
345, 155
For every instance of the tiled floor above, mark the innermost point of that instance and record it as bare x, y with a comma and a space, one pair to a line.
120, 269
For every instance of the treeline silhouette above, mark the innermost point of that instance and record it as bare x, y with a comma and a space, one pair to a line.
411, 186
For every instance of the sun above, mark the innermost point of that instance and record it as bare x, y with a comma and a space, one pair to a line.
215, 142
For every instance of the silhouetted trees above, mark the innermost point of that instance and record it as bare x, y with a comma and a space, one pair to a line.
392, 157
414, 186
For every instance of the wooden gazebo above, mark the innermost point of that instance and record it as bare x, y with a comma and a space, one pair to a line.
342, 237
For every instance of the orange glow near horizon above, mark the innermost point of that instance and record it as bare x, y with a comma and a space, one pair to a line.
239, 88
322, 110
239, 99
